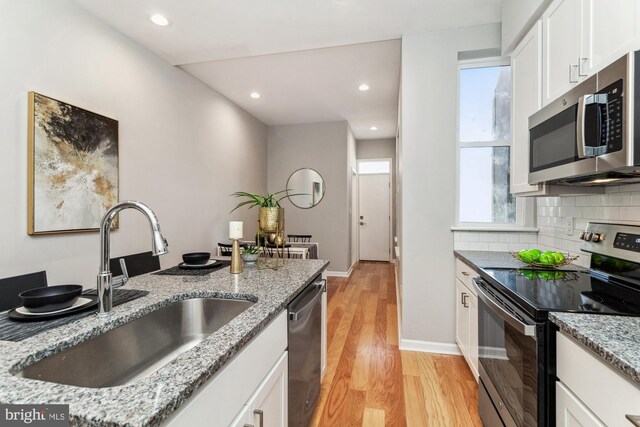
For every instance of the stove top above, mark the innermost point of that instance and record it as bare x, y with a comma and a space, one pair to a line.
538, 292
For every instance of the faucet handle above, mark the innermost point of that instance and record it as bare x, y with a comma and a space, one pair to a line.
121, 280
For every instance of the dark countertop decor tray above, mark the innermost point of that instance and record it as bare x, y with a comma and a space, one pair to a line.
11, 330
177, 271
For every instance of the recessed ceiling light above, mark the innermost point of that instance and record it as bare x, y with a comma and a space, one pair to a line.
363, 87
374, 128
255, 95
159, 20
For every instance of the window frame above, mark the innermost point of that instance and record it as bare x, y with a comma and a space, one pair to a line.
524, 207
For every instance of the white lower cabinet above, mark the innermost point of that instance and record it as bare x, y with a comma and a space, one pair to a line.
571, 412
467, 316
268, 405
255, 379
589, 392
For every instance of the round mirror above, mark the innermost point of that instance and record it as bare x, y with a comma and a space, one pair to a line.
305, 188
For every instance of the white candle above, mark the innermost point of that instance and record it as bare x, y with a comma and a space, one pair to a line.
235, 230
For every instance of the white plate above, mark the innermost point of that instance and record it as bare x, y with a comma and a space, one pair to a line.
195, 266
81, 301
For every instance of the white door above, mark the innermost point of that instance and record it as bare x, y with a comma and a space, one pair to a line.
374, 216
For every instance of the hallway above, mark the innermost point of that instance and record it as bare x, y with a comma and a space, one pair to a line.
369, 381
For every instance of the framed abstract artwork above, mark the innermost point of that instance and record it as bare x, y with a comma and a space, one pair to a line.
72, 167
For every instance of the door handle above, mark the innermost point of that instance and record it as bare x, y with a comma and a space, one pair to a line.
573, 67
260, 413
521, 327
581, 62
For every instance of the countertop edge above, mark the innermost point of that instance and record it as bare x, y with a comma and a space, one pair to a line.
605, 355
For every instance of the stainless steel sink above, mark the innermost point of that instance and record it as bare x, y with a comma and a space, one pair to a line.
136, 349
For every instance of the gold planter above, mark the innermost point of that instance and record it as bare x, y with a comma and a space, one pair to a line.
271, 220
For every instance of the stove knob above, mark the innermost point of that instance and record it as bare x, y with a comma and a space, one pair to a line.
595, 238
582, 235
602, 237
587, 236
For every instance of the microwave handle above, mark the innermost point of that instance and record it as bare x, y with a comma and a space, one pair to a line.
580, 141
599, 99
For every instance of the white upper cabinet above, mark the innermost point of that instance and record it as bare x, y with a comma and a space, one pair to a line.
526, 99
582, 36
609, 30
561, 25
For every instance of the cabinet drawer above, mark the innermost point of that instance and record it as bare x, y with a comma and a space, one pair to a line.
571, 412
225, 394
595, 383
465, 274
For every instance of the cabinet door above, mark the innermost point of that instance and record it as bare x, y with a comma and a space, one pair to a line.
268, 406
571, 412
561, 24
473, 334
526, 99
609, 29
462, 318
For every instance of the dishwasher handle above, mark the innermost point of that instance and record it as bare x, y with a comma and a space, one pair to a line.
295, 312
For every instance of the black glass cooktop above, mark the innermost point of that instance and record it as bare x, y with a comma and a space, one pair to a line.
539, 292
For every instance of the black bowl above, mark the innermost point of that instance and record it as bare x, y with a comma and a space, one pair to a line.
50, 298
196, 258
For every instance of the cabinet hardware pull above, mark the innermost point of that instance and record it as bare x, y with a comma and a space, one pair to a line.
248, 425
581, 62
260, 413
464, 300
462, 294
465, 273
635, 419
572, 67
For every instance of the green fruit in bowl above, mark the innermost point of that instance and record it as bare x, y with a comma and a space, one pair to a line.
558, 258
546, 258
525, 255
535, 254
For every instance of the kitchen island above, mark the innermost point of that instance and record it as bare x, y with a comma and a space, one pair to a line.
150, 401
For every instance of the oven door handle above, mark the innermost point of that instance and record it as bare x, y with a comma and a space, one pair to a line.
523, 328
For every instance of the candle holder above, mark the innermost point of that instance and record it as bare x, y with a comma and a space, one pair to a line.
236, 261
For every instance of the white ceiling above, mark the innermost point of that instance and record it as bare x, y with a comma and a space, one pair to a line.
238, 46
315, 86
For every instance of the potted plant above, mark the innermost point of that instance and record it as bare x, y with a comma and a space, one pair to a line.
249, 254
271, 215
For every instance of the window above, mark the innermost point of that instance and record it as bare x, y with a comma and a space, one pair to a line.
369, 167
484, 138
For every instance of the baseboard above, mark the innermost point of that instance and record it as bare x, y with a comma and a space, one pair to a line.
340, 273
429, 347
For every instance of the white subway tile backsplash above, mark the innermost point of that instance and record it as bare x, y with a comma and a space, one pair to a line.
583, 201
593, 212
630, 213
596, 200
568, 201
610, 212
498, 246
478, 246
461, 246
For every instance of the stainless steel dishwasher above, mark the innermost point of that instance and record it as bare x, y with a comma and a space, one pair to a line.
304, 336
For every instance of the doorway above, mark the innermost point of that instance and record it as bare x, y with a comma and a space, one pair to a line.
374, 210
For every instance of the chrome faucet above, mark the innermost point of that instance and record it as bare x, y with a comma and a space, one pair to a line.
105, 278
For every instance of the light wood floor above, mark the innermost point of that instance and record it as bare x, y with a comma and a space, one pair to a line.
369, 381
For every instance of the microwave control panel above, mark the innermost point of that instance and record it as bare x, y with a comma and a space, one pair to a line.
611, 118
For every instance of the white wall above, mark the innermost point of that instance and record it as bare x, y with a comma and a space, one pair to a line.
183, 147
323, 147
428, 158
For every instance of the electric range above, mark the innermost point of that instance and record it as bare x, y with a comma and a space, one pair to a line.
516, 342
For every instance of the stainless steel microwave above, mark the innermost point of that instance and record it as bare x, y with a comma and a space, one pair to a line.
586, 137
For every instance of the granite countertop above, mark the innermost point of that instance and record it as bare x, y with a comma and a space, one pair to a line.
489, 259
151, 400
615, 339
